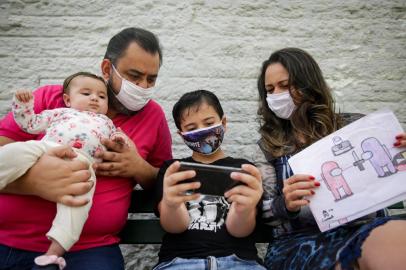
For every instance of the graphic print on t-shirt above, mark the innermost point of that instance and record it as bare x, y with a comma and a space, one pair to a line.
207, 213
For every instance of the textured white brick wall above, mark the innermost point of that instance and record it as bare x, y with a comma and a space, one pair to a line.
217, 45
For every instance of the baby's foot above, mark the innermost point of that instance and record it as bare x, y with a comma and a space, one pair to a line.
49, 262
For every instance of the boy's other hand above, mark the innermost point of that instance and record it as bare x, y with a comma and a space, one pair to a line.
244, 198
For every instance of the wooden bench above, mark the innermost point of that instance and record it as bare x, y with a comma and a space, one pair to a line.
144, 228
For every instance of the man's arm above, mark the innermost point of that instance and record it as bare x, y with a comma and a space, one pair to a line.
53, 178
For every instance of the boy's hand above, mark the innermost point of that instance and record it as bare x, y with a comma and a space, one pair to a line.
244, 198
24, 95
174, 193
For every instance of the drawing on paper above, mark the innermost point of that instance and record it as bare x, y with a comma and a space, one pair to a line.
340, 146
333, 177
379, 156
327, 215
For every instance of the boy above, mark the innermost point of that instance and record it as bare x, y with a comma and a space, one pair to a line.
206, 229
81, 125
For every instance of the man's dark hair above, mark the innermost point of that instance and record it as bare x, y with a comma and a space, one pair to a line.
120, 42
195, 99
67, 81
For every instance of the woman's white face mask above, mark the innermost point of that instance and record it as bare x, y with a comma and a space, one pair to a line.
132, 96
281, 104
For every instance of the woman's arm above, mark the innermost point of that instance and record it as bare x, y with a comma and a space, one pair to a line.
275, 206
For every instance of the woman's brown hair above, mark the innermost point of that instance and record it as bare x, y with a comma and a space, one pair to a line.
314, 116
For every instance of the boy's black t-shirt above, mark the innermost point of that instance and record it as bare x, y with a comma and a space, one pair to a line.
207, 234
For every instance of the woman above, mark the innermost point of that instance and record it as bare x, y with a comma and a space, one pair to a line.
297, 109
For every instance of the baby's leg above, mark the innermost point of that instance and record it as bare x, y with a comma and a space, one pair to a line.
68, 223
16, 158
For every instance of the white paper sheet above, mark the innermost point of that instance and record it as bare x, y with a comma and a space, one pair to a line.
358, 168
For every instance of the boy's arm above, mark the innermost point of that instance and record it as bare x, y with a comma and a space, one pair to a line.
174, 216
241, 218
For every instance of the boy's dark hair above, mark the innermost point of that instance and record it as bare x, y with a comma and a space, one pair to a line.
195, 99
120, 42
67, 81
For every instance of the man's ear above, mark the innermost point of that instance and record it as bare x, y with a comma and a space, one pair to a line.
106, 69
66, 100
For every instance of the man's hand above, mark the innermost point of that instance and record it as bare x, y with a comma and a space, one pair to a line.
123, 160
55, 178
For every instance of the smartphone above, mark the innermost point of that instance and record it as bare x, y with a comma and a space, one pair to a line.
215, 180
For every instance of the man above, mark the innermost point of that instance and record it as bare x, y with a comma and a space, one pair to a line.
130, 66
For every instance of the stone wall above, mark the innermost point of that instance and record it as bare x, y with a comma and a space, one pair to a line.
217, 45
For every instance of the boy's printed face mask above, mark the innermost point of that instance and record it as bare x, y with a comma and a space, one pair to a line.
205, 140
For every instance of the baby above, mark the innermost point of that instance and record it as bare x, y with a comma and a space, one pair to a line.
81, 125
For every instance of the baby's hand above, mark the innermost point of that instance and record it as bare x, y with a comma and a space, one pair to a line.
24, 95
119, 138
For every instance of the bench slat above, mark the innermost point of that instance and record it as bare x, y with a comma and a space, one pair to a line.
142, 231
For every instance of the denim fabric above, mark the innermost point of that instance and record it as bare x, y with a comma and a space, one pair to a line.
315, 250
210, 263
100, 258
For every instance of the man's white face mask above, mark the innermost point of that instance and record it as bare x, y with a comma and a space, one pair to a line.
281, 104
132, 96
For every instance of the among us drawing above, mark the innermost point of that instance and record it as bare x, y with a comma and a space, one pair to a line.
373, 152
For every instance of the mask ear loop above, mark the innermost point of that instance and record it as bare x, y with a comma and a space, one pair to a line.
116, 71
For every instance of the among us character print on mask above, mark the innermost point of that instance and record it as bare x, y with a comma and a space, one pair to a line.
205, 140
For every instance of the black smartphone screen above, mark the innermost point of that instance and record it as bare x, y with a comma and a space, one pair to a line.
215, 180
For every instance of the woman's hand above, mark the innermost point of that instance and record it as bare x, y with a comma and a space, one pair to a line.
400, 140
295, 188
